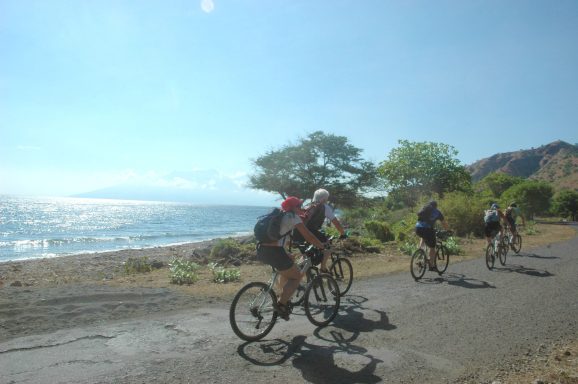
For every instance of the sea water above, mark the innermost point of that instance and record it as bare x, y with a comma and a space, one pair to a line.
51, 227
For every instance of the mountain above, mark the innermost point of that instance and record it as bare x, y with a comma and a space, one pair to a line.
556, 163
196, 187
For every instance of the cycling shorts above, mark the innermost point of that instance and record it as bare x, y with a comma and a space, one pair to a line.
276, 257
428, 235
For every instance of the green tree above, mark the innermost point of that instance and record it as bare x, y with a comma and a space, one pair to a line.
464, 213
417, 169
533, 197
565, 204
318, 161
498, 182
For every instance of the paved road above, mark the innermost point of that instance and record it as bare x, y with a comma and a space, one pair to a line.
462, 326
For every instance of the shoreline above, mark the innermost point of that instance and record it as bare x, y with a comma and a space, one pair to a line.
100, 266
209, 242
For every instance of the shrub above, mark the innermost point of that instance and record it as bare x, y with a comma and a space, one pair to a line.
379, 230
530, 229
231, 248
463, 212
224, 275
370, 245
183, 271
408, 247
137, 265
453, 246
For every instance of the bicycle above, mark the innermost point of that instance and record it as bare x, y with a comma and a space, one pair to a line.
253, 314
514, 242
420, 258
498, 248
340, 268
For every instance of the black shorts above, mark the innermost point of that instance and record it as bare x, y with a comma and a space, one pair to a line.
492, 228
276, 257
428, 235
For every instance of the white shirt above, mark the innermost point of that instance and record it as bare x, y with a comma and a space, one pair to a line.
329, 212
288, 222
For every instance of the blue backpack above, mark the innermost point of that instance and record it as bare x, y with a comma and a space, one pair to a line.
491, 216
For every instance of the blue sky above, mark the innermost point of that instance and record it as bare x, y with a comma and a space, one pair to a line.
99, 93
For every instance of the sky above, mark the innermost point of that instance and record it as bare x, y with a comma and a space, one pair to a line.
95, 94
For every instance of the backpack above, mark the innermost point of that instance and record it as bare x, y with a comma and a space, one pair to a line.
424, 214
491, 216
268, 227
314, 216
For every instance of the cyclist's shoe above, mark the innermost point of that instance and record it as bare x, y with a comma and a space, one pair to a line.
433, 269
283, 311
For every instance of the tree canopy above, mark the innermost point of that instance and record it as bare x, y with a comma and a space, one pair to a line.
416, 169
565, 204
533, 197
317, 161
498, 182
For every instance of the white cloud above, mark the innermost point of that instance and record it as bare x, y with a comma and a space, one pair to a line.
28, 148
207, 6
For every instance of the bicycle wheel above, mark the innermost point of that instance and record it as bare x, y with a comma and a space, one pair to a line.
342, 271
503, 251
517, 243
252, 315
418, 264
490, 258
442, 259
322, 300
505, 243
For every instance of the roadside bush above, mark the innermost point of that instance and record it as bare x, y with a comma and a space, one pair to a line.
365, 244
137, 265
453, 246
379, 230
183, 271
463, 212
408, 247
224, 275
230, 250
530, 228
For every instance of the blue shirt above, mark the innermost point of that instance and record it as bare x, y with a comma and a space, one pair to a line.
435, 215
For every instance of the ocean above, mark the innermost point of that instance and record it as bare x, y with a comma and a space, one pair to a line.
51, 227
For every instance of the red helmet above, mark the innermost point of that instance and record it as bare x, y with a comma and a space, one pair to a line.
290, 203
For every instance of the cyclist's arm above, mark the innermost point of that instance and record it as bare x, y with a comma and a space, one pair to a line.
309, 237
445, 225
338, 226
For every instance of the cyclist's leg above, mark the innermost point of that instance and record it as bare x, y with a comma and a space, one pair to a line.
326, 253
488, 233
432, 257
290, 276
430, 240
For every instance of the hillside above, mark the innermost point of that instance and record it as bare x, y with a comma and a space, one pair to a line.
556, 162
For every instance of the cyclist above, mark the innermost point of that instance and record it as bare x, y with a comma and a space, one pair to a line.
511, 214
424, 228
315, 216
276, 256
492, 218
